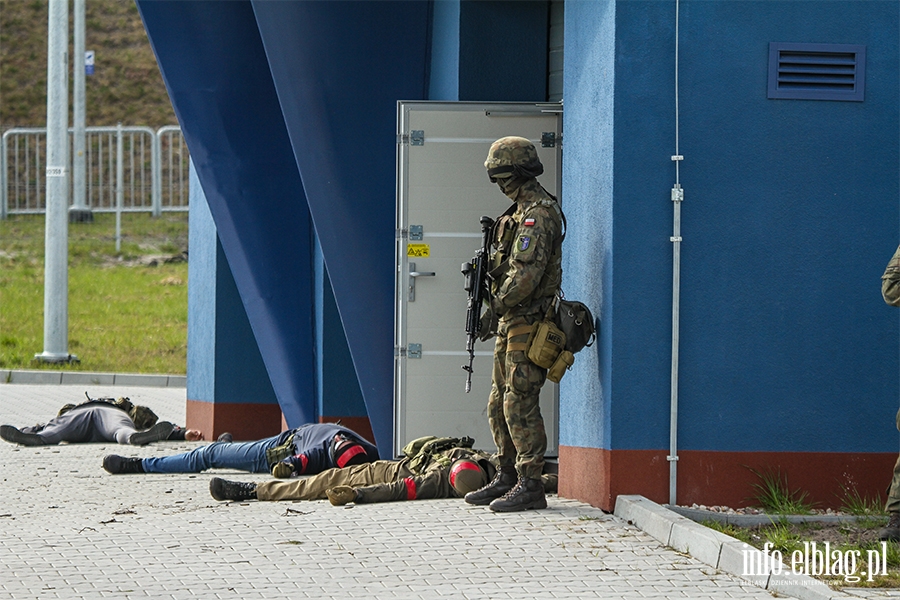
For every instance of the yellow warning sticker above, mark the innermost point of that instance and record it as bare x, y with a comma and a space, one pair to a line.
418, 250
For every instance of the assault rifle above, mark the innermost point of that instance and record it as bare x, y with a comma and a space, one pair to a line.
476, 285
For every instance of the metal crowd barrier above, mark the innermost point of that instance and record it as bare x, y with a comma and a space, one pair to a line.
154, 167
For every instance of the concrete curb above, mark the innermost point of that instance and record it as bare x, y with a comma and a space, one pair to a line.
83, 378
699, 515
719, 550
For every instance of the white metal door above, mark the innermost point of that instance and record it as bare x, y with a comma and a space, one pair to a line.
442, 193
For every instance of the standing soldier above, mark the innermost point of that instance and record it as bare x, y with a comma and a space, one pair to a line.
890, 291
526, 272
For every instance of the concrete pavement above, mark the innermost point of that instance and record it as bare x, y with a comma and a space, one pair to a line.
71, 530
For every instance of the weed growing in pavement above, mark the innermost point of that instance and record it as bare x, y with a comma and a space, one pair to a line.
855, 504
774, 495
857, 538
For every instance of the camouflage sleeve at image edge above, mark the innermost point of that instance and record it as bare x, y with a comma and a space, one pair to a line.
890, 281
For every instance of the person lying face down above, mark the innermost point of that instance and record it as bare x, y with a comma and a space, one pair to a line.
115, 420
308, 449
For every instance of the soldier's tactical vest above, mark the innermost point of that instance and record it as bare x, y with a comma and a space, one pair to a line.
425, 450
504, 236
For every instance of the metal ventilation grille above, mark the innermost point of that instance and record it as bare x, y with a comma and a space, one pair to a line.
817, 71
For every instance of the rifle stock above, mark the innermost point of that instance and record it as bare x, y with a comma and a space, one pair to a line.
476, 275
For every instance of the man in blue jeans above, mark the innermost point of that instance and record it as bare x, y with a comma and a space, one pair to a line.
306, 450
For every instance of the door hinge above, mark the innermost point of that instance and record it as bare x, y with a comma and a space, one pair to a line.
549, 139
416, 137
411, 351
415, 233
414, 351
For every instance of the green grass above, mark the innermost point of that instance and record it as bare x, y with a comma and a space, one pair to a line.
124, 315
774, 495
861, 506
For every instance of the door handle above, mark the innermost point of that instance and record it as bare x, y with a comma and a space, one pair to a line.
412, 279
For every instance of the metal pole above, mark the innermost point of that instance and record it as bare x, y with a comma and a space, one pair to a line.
677, 197
56, 283
120, 186
79, 211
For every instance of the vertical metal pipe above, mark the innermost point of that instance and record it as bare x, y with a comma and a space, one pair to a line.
120, 187
677, 197
4, 181
80, 211
56, 282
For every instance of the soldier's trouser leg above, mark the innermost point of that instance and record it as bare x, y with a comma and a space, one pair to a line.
313, 487
514, 411
434, 484
893, 499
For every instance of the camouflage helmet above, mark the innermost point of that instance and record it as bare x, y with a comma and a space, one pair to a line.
466, 476
512, 156
142, 416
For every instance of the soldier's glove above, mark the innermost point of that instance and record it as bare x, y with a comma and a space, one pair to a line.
282, 470
341, 495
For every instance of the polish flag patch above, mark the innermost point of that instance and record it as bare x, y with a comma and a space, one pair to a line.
528, 222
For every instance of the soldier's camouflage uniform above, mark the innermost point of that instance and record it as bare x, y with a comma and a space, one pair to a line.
380, 481
890, 291
527, 271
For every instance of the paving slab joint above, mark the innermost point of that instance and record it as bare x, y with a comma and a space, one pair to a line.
721, 551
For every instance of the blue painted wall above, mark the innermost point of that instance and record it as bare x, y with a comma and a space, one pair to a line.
790, 215
214, 66
489, 50
444, 68
338, 75
338, 389
503, 50
289, 111
223, 357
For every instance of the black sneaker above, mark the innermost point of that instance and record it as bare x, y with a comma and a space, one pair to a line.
222, 489
157, 433
528, 494
891, 533
14, 436
118, 465
503, 481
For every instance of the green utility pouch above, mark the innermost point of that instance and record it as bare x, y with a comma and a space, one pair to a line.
421, 451
562, 363
279, 453
545, 343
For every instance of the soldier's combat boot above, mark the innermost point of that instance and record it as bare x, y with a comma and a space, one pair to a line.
222, 489
891, 532
118, 465
528, 494
13, 435
341, 495
503, 481
157, 433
